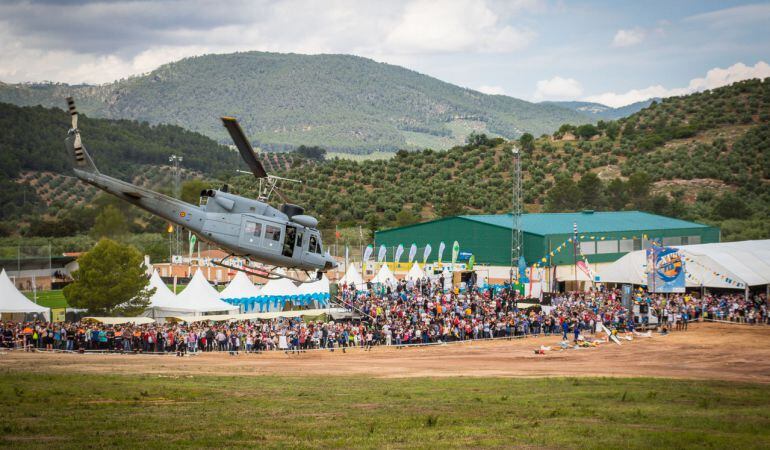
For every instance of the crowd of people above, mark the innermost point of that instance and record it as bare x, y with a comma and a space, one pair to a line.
408, 313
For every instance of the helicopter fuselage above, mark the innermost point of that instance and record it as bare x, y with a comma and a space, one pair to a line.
242, 226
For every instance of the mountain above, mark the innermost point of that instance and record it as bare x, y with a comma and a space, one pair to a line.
703, 157
340, 102
604, 112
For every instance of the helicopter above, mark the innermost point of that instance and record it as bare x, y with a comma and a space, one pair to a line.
243, 227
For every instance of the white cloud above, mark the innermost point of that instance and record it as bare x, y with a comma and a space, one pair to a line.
491, 90
99, 42
457, 26
732, 17
558, 88
627, 38
714, 78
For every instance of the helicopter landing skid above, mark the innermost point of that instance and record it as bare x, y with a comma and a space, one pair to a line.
263, 273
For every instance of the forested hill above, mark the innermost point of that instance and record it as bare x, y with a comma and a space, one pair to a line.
338, 102
33, 139
33, 160
702, 157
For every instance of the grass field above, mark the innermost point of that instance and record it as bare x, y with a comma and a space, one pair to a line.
54, 410
49, 299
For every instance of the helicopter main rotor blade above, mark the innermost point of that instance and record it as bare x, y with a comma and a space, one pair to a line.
244, 147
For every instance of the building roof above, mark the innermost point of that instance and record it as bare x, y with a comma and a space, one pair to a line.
587, 222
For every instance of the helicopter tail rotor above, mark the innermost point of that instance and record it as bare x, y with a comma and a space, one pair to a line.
74, 143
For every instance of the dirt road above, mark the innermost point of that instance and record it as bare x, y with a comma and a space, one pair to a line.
706, 351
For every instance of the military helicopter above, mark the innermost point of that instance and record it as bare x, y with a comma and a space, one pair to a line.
244, 227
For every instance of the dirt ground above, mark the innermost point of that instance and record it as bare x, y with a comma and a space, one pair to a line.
706, 351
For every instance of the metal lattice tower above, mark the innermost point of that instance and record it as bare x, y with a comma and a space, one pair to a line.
516, 211
176, 160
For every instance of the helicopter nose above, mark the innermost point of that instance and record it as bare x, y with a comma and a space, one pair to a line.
330, 264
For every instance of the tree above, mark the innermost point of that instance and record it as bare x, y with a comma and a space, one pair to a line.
638, 188
527, 142
591, 191
586, 131
451, 203
730, 206
616, 195
563, 196
315, 153
110, 280
406, 217
477, 139
109, 223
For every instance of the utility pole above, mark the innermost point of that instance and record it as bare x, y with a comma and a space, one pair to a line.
176, 160
516, 211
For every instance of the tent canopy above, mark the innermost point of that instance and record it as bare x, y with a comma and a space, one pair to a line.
315, 287
415, 272
163, 297
352, 277
725, 265
199, 296
384, 276
262, 315
239, 287
278, 288
119, 320
13, 301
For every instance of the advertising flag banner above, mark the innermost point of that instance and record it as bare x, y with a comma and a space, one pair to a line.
399, 252
441, 248
412, 253
381, 253
455, 251
193, 239
426, 253
665, 270
368, 253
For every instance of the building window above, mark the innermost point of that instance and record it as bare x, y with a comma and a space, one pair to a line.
675, 240
588, 248
606, 246
627, 245
692, 240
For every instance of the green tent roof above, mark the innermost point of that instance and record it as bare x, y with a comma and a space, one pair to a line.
587, 222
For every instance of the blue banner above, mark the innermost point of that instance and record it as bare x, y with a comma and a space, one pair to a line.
665, 270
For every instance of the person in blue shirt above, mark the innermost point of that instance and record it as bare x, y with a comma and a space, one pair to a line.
564, 329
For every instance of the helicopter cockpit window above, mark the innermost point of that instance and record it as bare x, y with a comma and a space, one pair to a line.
315, 245
254, 229
272, 233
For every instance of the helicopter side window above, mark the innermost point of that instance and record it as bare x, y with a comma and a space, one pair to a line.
254, 229
314, 246
272, 233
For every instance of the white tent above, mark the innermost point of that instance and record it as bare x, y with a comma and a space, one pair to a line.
199, 296
239, 287
384, 276
726, 265
352, 277
316, 291
163, 297
280, 287
415, 272
120, 320
274, 294
14, 302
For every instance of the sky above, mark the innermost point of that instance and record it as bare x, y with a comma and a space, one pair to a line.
609, 52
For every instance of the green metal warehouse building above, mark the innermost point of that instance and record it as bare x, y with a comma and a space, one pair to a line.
604, 236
